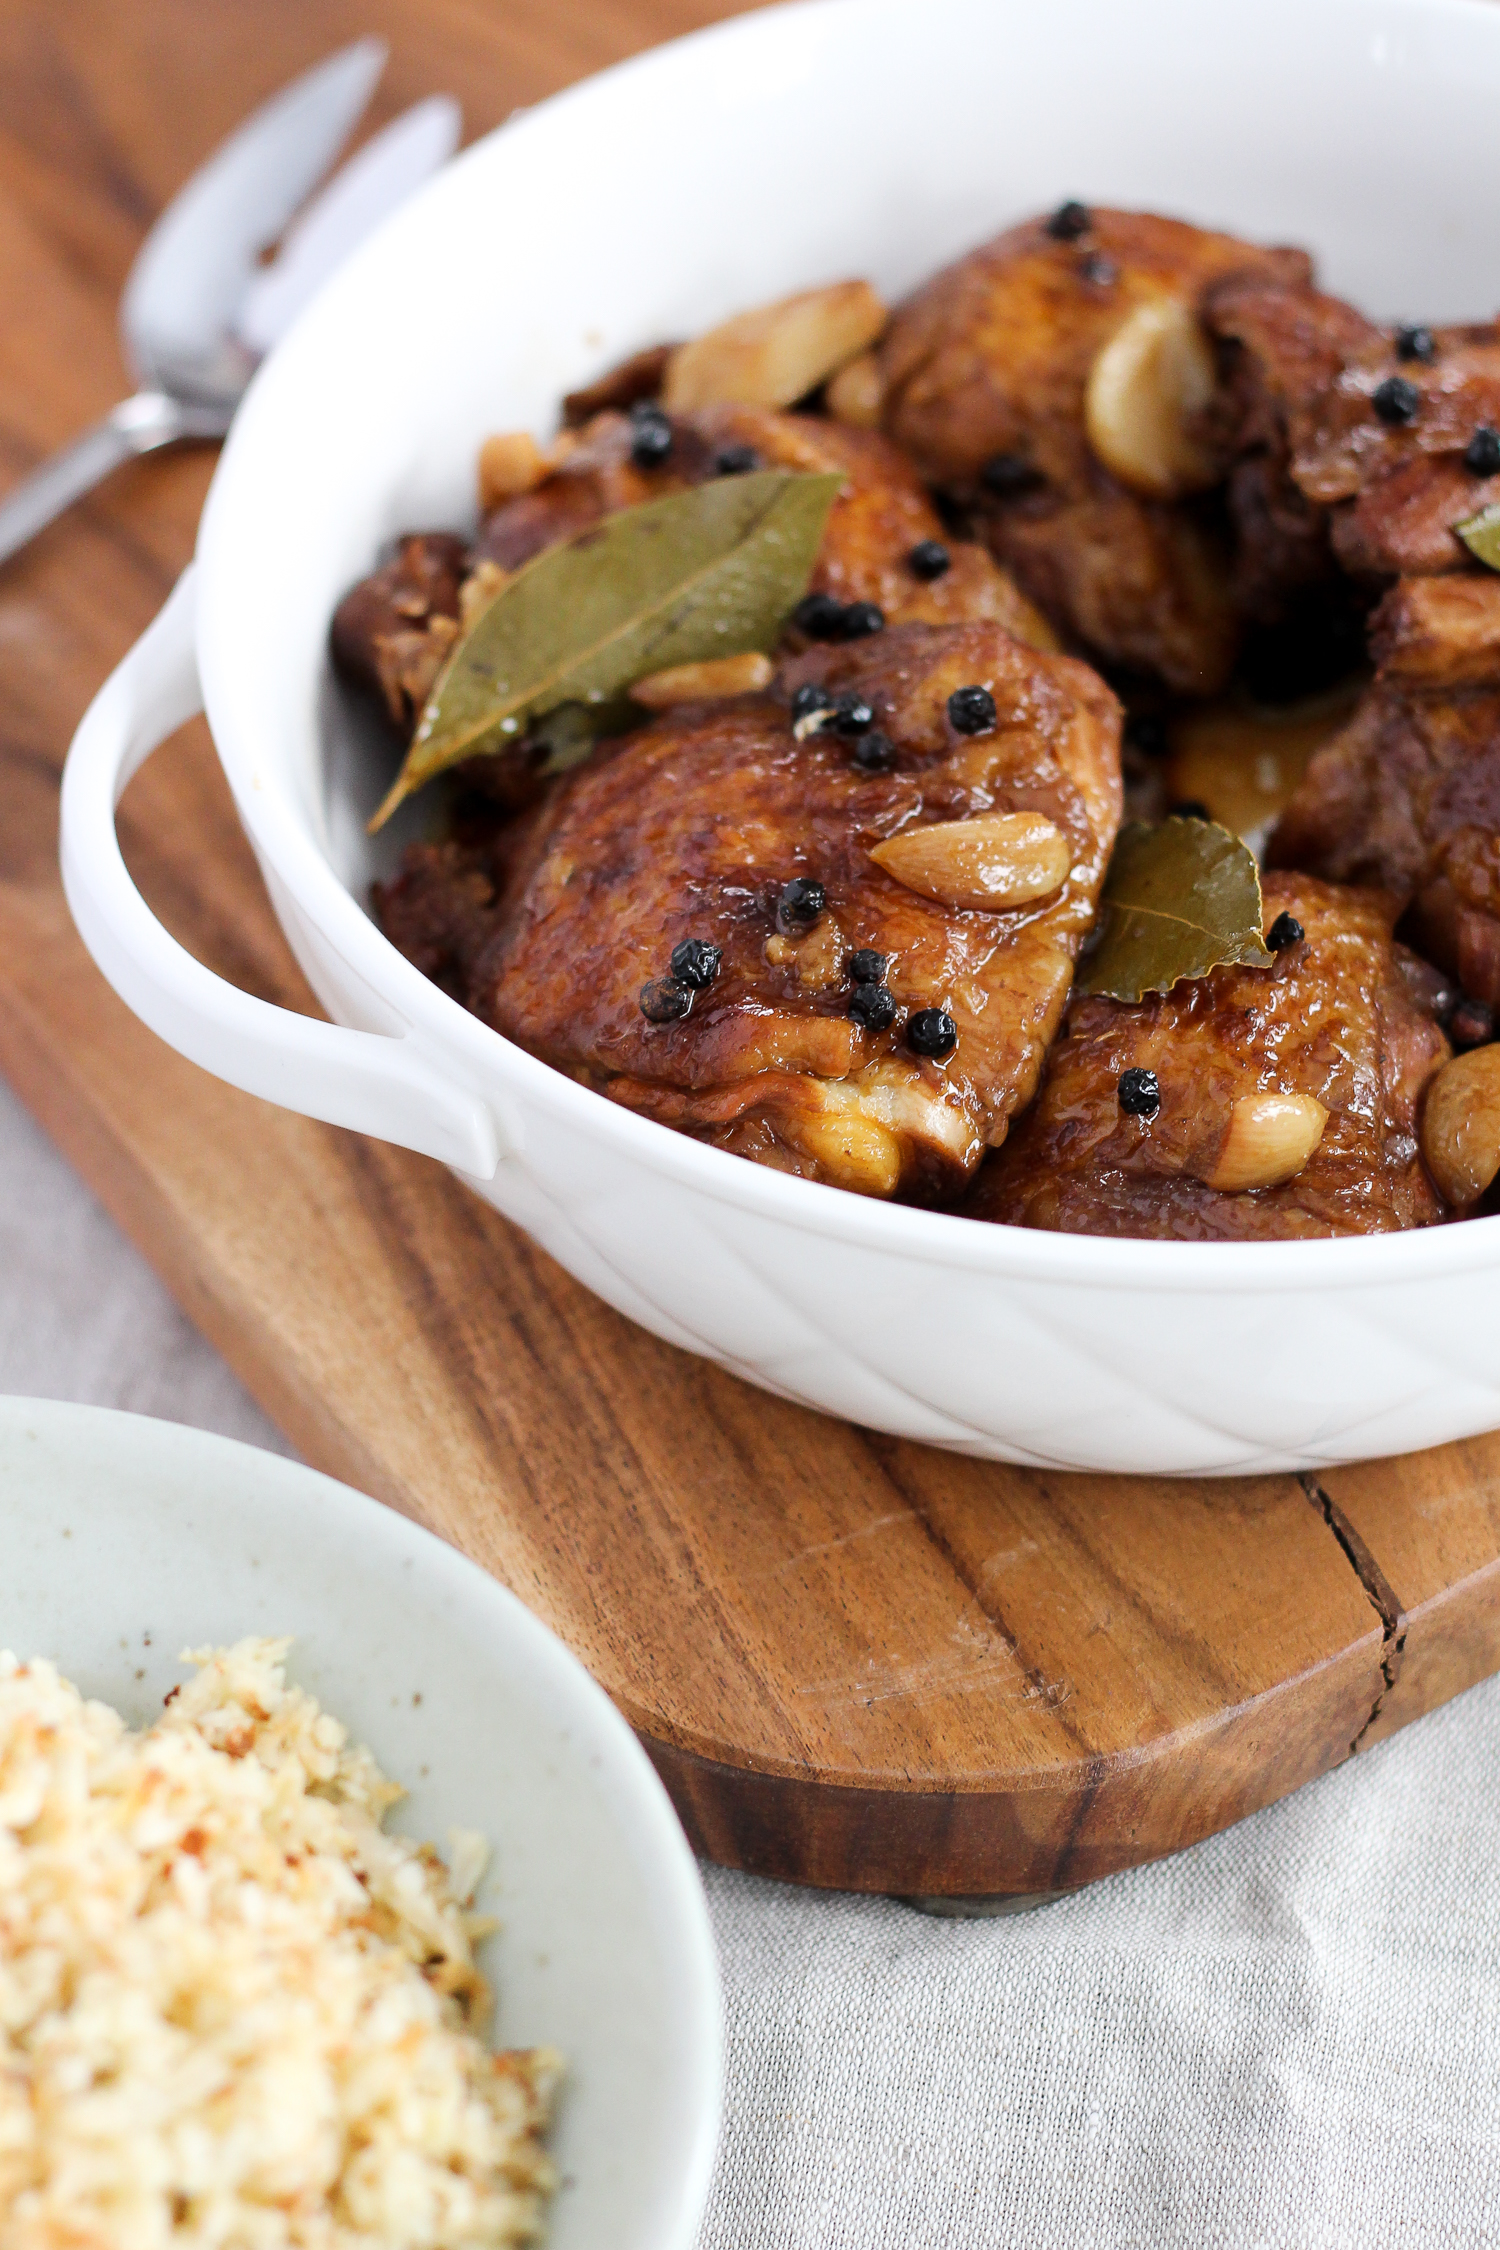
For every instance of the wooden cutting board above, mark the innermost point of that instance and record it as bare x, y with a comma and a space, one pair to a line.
856, 1662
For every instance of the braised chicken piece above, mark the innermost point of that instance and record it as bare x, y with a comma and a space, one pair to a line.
1057, 381
882, 515
1359, 446
1407, 796
1280, 343
693, 921
885, 541
393, 630
1253, 1104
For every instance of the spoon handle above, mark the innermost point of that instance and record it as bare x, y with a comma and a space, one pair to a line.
137, 425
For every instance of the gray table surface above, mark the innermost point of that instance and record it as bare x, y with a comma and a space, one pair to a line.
1288, 2036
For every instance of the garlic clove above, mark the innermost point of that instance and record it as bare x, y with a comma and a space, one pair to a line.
510, 464
1146, 389
995, 861
856, 394
1460, 1130
1268, 1140
702, 683
777, 353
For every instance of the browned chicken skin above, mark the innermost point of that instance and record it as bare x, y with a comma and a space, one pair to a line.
986, 369
1408, 795
1343, 1017
693, 826
1325, 480
1281, 343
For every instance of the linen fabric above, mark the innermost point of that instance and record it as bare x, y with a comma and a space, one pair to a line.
1285, 2039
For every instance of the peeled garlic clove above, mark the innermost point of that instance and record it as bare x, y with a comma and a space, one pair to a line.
509, 464
994, 861
776, 354
701, 683
1461, 1124
856, 393
1145, 388
1269, 1139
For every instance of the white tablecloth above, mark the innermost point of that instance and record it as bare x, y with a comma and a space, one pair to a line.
1287, 2037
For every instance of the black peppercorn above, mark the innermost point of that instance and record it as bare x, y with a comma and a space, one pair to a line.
1471, 1024
933, 1033
866, 966
1068, 222
802, 900
1188, 808
971, 710
811, 701
1140, 1094
1008, 474
851, 715
1284, 931
1098, 269
820, 617
1416, 343
928, 560
665, 1000
860, 619
1482, 453
736, 460
695, 962
1396, 401
874, 752
650, 435
873, 1007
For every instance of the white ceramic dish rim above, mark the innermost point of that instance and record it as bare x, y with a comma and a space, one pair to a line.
570, 1692
441, 1023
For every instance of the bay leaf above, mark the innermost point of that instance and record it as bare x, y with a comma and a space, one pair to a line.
1481, 535
1178, 901
713, 571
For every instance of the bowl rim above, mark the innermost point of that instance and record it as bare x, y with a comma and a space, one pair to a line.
556, 1673
439, 1024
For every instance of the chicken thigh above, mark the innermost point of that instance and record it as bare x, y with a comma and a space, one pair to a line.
994, 382
1162, 1119
1358, 447
693, 921
1407, 796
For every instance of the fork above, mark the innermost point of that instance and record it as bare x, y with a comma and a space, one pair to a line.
199, 310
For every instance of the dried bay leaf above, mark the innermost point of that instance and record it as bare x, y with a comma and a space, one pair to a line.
714, 571
1178, 901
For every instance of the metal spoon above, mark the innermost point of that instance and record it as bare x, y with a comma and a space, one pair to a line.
199, 310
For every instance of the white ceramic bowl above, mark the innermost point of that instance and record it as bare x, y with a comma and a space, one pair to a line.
795, 145
127, 1540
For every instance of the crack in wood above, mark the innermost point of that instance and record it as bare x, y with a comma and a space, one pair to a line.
1378, 1591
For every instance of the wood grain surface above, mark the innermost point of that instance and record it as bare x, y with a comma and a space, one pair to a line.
856, 1662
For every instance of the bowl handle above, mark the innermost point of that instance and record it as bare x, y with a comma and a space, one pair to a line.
362, 1079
